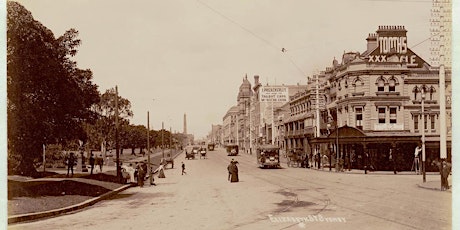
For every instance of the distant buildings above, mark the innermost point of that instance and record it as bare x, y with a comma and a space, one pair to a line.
356, 110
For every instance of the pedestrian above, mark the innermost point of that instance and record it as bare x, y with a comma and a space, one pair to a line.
416, 164
101, 162
161, 173
392, 158
234, 171
446, 167
183, 169
91, 162
140, 174
230, 170
71, 160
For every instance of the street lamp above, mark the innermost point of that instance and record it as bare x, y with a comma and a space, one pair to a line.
423, 134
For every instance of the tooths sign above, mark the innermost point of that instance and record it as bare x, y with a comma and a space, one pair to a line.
392, 47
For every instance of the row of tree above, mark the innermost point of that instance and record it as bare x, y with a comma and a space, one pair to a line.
51, 101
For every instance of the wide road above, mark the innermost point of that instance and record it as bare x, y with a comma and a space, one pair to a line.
287, 198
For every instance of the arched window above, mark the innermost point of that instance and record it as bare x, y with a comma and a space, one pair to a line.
380, 84
432, 90
358, 83
392, 84
416, 92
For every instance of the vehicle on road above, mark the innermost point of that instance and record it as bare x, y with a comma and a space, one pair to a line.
211, 147
196, 149
167, 160
268, 156
296, 157
232, 149
203, 153
189, 155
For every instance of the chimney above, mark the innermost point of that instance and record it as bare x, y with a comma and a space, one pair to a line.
371, 42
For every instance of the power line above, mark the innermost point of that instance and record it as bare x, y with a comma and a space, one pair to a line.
283, 50
239, 25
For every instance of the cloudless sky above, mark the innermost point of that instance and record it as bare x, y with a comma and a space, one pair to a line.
172, 57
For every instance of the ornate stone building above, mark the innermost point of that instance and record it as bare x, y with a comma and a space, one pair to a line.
375, 98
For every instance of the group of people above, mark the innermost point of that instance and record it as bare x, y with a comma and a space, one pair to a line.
233, 171
96, 161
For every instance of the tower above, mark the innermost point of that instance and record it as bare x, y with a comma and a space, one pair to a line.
441, 30
185, 123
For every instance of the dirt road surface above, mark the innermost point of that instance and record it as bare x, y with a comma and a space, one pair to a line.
287, 198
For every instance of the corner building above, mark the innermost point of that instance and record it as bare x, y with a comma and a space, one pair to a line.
373, 103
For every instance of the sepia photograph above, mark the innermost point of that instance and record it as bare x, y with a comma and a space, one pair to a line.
218, 114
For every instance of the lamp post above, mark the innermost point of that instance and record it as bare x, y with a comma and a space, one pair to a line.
423, 134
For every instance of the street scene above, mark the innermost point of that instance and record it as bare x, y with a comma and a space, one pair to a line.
284, 198
229, 114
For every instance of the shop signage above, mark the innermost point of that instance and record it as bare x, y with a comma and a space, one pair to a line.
394, 49
274, 94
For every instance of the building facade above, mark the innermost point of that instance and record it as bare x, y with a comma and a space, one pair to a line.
229, 132
376, 100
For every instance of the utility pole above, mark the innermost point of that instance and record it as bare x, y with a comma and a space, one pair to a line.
423, 134
149, 170
162, 139
318, 129
116, 134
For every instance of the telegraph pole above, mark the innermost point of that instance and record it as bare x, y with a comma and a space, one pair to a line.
116, 134
149, 170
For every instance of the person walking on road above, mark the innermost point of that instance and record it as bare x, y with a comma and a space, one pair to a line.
392, 159
140, 174
183, 169
233, 169
91, 162
101, 162
161, 171
70, 163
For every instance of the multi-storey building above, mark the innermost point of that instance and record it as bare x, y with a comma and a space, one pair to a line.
229, 131
376, 99
243, 116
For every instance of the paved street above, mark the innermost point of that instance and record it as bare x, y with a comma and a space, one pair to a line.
288, 198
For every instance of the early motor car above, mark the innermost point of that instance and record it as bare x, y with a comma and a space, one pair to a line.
268, 156
232, 149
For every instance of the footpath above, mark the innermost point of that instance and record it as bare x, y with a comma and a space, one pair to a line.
114, 188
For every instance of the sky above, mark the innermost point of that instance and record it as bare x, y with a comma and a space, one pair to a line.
190, 57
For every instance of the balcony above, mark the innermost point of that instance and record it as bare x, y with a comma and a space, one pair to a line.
388, 126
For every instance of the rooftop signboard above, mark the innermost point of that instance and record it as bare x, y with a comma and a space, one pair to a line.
274, 94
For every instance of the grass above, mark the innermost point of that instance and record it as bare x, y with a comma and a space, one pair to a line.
48, 193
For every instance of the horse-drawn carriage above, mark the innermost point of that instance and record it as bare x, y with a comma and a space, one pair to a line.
296, 157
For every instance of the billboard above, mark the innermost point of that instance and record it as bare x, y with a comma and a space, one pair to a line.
274, 94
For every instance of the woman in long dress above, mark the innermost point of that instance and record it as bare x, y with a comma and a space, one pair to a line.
234, 172
161, 173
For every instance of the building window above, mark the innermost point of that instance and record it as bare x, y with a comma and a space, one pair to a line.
392, 85
432, 91
359, 117
381, 85
425, 122
432, 120
416, 91
382, 114
415, 122
393, 115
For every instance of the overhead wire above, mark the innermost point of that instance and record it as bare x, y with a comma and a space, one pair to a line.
283, 50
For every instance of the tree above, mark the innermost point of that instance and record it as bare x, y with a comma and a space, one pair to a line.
104, 128
48, 97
